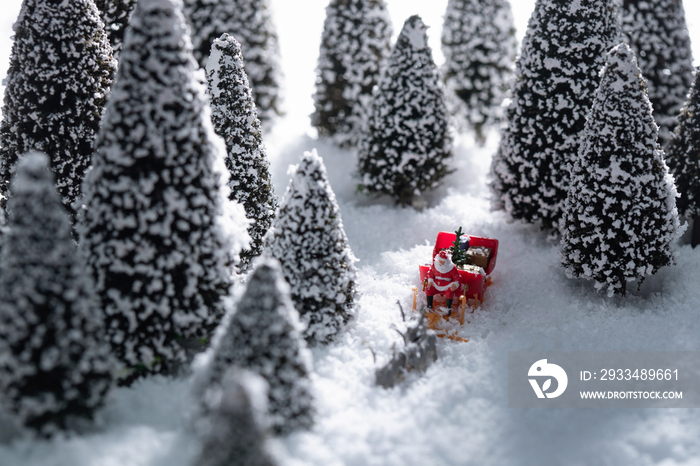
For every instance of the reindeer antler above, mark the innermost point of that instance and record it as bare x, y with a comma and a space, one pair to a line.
403, 314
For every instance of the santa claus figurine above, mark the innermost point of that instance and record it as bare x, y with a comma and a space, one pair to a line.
442, 278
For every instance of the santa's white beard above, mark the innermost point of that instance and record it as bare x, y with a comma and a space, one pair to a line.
444, 268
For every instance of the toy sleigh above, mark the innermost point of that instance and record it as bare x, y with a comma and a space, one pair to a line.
474, 279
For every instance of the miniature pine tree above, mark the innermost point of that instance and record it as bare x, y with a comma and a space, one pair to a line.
407, 141
683, 159
356, 40
115, 15
235, 428
155, 200
53, 364
478, 41
620, 216
61, 69
235, 119
308, 239
264, 336
656, 31
250, 22
458, 251
556, 77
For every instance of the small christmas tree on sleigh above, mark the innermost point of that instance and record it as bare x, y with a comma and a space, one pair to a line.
459, 273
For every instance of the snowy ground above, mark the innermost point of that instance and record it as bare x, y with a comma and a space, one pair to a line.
457, 413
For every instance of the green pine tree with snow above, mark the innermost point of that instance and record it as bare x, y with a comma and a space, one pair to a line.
250, 22
620, 217
407, 143
61, 70
355, 42
158, 228
235, 119
263, 335
54, 364
115, 16
309, 240
656, 31
478, 41
683, 158
555, 79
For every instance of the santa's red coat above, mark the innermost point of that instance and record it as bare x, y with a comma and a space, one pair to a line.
441, 280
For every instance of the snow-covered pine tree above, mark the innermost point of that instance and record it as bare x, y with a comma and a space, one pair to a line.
54, 365
115, 15
157, 230
556, 76
264, 335
250, 22
657, 33
235, 119
356, 40
620, 215
234, 431
478, 41
308, 239
407, 142
61, 69
683, 158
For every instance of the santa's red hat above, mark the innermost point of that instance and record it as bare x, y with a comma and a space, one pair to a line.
444, 255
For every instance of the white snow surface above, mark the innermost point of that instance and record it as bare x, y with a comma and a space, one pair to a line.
457, 413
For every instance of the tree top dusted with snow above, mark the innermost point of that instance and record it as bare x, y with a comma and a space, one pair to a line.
60, 72
356, 40
556, 76
159, 229
235, 119
54, 365
309, 240
657, 32
620, 216
250, 22
406, 144
413, 34
478, 41
263, 335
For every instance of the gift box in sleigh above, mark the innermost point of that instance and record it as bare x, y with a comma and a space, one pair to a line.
463, 287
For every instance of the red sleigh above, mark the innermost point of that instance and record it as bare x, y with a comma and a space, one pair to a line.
472, 282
